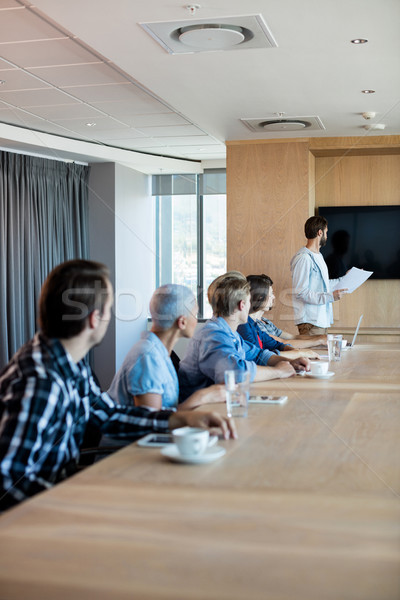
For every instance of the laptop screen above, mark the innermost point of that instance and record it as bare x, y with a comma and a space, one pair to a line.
353, 341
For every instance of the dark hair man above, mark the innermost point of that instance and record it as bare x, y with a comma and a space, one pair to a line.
312, 288
48, 394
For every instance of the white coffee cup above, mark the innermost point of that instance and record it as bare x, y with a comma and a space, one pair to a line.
344, 343
191, 441
319, 367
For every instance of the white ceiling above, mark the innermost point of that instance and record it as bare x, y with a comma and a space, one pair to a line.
66, 63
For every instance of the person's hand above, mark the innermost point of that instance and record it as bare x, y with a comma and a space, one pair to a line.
206, 420
284, 369
337, 294
322, 340
208, 395
301, 364
311, 354
212, 394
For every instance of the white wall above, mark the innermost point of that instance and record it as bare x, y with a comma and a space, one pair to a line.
121, 231
135, 256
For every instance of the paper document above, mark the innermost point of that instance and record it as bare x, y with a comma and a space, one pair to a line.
353, 279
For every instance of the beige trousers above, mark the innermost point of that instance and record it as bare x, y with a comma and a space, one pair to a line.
309, 329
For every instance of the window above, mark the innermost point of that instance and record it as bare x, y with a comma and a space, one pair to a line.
191, 231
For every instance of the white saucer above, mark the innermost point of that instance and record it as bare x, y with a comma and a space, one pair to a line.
209, 455
321, 376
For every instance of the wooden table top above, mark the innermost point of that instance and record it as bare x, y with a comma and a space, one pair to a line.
305, 504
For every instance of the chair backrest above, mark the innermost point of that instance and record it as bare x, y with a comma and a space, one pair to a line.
175, 360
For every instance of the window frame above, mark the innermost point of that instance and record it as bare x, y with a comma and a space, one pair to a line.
200, 246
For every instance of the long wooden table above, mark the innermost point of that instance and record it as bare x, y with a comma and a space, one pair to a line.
304, 505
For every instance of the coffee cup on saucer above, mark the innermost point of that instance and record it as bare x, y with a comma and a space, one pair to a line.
191, 441
319, 367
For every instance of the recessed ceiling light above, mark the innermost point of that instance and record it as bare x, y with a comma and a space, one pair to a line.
212, 36
90, 124
2, 81
368, 91
284, 125
359, 41
374, 126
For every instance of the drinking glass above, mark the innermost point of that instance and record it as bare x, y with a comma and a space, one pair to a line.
334, 346
237, 386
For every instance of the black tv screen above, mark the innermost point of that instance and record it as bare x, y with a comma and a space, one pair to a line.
367, 237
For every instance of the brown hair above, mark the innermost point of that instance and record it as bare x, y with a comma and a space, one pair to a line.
259, 290
313, 225
71, 292
227, 295
214, 284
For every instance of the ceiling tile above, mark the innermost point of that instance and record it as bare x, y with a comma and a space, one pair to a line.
46, 96
120, 134
19, 80
10, 4
19, 117
66, 111
23, 25
172, 131
195, 151
128, 108
145, 144
150, 120
79, 75
5, 66
47, 53
138, 100
102, 124
194, 140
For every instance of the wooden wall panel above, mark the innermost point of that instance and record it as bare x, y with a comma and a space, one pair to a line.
273, 186
357, 180
363, 180
267, 205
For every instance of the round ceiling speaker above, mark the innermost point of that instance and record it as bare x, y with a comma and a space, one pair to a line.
212, 36
284, 125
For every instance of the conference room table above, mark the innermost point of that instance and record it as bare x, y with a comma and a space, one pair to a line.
305, 504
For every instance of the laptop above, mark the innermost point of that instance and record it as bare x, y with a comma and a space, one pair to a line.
353, 341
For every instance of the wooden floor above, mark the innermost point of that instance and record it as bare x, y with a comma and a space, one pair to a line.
304, 505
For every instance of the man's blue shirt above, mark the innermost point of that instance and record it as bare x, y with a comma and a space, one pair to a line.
214, 349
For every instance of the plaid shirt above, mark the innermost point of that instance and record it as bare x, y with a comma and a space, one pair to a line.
46, 401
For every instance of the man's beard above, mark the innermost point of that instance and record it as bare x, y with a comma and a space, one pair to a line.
323, 241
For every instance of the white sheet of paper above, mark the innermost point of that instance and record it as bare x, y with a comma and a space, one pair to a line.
353, 279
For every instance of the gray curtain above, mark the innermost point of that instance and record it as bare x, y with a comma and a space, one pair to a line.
43, 221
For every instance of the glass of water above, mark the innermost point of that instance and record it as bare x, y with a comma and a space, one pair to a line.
334, 346
237, 386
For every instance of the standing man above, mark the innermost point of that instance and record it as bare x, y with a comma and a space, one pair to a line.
312, 288
48, 394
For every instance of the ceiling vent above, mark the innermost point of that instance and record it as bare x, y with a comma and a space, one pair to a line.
270, 125
210, 35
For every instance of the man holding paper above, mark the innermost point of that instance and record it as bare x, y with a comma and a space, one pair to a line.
313, 291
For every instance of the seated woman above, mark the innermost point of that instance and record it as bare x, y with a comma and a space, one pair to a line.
297, 341
252, 332
147, 376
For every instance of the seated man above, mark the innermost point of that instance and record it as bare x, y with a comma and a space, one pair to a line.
260, 290
47, 391
147, 376
296, 341
217, 346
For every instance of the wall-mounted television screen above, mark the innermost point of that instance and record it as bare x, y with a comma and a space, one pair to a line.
367, 237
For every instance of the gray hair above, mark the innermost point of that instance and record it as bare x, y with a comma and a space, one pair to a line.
169, 302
